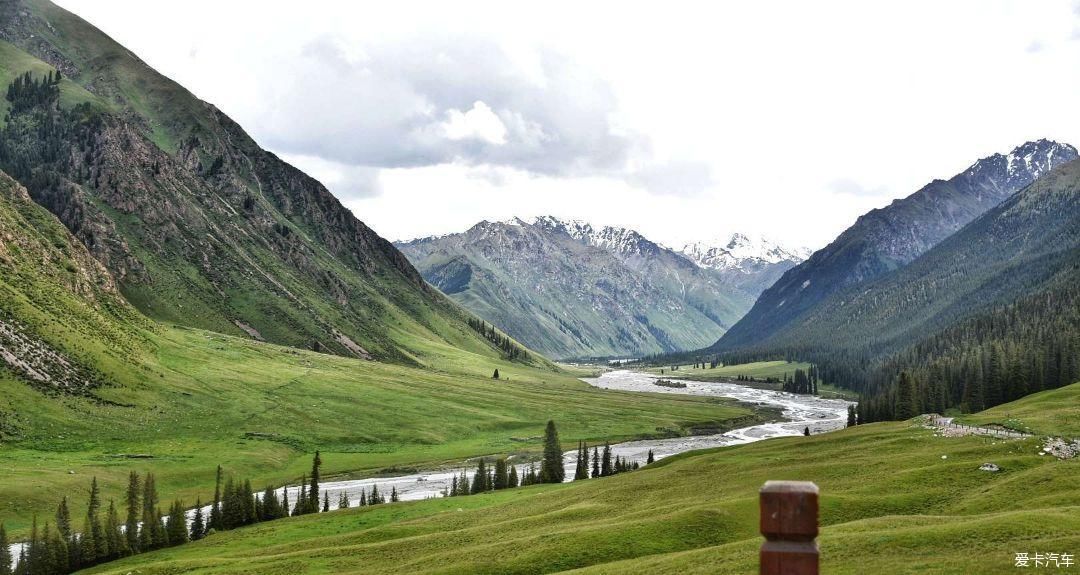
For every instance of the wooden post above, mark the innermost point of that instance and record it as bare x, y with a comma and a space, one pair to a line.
789, 522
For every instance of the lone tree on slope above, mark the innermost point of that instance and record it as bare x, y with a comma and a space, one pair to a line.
551, 471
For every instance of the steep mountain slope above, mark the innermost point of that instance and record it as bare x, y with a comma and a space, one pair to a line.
888, 238
572, 290
987, 315
1022, 246
62, 319
198, 225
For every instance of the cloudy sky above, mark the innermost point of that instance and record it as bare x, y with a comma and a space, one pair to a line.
686, 122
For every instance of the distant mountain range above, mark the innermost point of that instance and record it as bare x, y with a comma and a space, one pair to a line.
963, 295
889, 238
569, 289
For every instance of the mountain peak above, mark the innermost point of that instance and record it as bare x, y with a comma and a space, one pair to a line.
1022, 164
741, 252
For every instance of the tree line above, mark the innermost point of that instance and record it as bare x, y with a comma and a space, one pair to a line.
503, 475
509, 347
996, 356
56, 548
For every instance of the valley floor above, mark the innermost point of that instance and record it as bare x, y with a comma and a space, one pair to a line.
201, 399
896, 498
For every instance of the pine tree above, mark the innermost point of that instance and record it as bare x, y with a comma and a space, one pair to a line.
512, 479
22, 567
93, 545
551, 469
501, 474
302, 498
581, 469
198, 523
393, 494
806, 431
326, 501
906, 406
176, 525
131, 523
57, 557
374, 498
35, 558
113, 536
463, 487
479, 483
851, 421
285, 502
453, 486
363, 498
152, 534
595, 462
216, 519
5, 552
313, 491
605, 463
247, 499
232, 505
343, 500
63, 520
496, 374
650, 458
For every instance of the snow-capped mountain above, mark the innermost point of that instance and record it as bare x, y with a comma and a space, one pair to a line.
619, 240
742, 253
571, 289
889, 238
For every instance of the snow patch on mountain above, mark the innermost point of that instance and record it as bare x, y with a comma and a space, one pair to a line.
741, 252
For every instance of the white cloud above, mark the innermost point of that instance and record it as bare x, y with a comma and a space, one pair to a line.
680, 121
853, 188
478, 123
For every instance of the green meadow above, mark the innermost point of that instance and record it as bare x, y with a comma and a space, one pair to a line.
200, 399
896, 498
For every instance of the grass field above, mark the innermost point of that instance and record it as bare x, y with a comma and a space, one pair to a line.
1054, 412
261, 410
896, 498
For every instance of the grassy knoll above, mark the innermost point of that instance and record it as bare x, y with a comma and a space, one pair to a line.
1053, 412
891, 504
203, 398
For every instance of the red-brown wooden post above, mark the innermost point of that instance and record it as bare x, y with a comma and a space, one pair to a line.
789, 522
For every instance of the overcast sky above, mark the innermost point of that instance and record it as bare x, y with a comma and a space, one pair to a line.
683, 121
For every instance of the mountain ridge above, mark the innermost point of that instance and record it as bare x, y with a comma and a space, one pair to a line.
198, 224
559, 285
888, 238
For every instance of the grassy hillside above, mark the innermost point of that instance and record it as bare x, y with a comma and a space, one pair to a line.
201, 399
896, 498
199, 225
1054, 412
